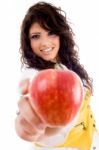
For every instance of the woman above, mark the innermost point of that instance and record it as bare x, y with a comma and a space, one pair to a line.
47, 41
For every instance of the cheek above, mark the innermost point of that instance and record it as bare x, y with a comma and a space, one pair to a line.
34, 46
57, 42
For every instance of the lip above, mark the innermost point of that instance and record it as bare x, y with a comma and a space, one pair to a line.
47, 50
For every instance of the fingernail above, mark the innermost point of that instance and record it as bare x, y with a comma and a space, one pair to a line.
21, 89
20, 84
41, 126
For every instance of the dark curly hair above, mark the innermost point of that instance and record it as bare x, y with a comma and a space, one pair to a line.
52, 19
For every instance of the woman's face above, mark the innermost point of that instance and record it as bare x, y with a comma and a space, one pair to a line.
44, 44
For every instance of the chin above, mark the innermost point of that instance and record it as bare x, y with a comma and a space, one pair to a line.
51, 59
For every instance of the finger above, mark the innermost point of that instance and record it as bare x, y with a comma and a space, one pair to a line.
29, 114
23, 86
26, 126
22, 132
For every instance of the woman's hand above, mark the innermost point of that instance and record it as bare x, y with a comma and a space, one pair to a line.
27, 124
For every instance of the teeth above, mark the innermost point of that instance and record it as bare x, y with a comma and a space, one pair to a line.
47, 50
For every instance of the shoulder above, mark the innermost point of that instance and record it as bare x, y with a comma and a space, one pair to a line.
28, 73
87, 93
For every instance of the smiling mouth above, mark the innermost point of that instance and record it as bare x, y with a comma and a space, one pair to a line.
47, 50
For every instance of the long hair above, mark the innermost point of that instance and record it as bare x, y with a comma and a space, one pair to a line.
52, 19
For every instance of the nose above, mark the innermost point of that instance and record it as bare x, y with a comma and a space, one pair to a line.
45, 41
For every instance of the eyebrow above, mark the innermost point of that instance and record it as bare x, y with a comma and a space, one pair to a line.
35, 33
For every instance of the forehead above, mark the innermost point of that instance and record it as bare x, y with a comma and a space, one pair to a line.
35, 27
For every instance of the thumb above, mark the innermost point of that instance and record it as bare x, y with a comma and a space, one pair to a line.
23, 86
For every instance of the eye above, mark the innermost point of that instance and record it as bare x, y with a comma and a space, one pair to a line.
52, 33
35, 36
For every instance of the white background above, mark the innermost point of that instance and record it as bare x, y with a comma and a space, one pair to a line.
85, 23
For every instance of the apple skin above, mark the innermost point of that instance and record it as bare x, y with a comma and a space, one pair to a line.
56, 96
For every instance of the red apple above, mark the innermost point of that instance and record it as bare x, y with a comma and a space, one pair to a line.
56, 96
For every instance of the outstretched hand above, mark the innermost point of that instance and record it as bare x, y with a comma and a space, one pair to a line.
27, 124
